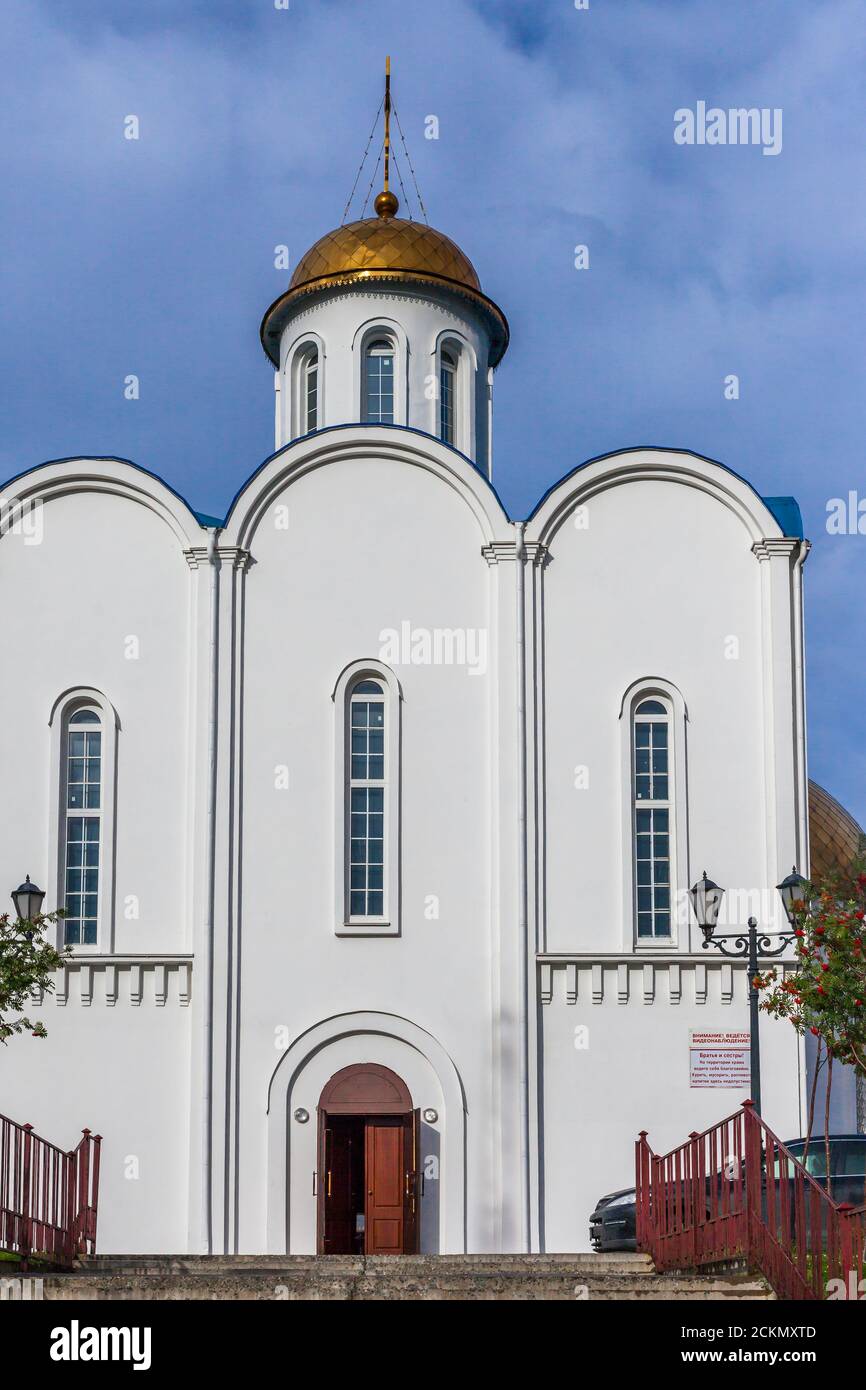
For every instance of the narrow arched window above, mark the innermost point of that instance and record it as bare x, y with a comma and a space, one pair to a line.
379, 383
367, 708
447, 394
653, 817
366, 792
310, 393
82, 800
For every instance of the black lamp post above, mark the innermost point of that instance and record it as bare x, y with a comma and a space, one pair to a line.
28, 900
706, 899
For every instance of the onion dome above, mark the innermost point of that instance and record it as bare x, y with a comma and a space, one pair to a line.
835, 838
381, 250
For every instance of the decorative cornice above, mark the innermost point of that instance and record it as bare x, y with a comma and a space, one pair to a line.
497, 552
616, 980
776, 545
171, 974
280, 311
196, 556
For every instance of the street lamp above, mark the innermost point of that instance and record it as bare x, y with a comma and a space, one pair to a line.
28, 900
706, 899
792, 890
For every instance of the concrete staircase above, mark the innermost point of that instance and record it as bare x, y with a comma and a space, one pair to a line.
410, 1277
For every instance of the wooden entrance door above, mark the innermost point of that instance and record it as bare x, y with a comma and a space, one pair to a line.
341, 1200
368, 1171
384, 1175
391, 1167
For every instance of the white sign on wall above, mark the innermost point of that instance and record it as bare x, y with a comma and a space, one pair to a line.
719, 1059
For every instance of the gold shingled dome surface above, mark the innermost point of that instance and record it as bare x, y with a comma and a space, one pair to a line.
835, 838
378, 243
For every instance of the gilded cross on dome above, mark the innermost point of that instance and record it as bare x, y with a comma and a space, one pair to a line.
385, 247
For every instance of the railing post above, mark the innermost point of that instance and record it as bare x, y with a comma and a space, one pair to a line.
83, 1189
69, 1223
97, 1152
751, 1144
27, 1159
696, 1199
643, 1162
846, 1249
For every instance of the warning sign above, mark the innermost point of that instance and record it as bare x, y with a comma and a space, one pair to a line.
719, 1059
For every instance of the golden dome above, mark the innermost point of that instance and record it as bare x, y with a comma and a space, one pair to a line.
384, 248
835, 838
384, 244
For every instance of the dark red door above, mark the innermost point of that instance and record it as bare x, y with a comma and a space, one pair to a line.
340, 1185
385, 1185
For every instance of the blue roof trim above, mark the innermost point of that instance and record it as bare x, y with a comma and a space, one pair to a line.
787, 512
781, 507
112, 458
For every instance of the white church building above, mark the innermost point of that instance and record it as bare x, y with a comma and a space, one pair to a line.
373, 810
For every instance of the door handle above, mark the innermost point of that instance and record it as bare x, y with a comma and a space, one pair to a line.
328, 1189
315, 1184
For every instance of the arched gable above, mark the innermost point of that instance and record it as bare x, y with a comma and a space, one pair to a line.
107, 476
347, 442
677, 466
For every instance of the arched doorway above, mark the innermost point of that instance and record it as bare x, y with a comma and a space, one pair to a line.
367, 1179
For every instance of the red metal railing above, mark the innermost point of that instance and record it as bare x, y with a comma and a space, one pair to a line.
734, 1192
48, 1198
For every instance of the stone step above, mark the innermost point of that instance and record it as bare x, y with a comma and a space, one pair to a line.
409, 1278
353, 1265
182, 1288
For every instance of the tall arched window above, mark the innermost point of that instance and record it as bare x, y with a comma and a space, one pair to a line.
447, 394
309, 393
367, 701
367, 801
82, 825
379, 382
653, 827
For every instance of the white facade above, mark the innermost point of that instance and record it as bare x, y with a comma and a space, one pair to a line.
502, 980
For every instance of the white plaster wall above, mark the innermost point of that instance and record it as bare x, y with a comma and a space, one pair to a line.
123, 1072
634, 1075
661, 577
371, 542
108, 569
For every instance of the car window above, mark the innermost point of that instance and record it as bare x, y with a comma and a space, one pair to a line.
816, 1158
850, 1159
847, 1157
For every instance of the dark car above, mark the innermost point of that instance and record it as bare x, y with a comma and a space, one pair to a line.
612, 1224
847, 1164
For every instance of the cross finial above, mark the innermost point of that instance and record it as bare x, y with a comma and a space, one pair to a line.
386, 203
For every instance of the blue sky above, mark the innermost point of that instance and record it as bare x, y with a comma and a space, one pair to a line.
155, 256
